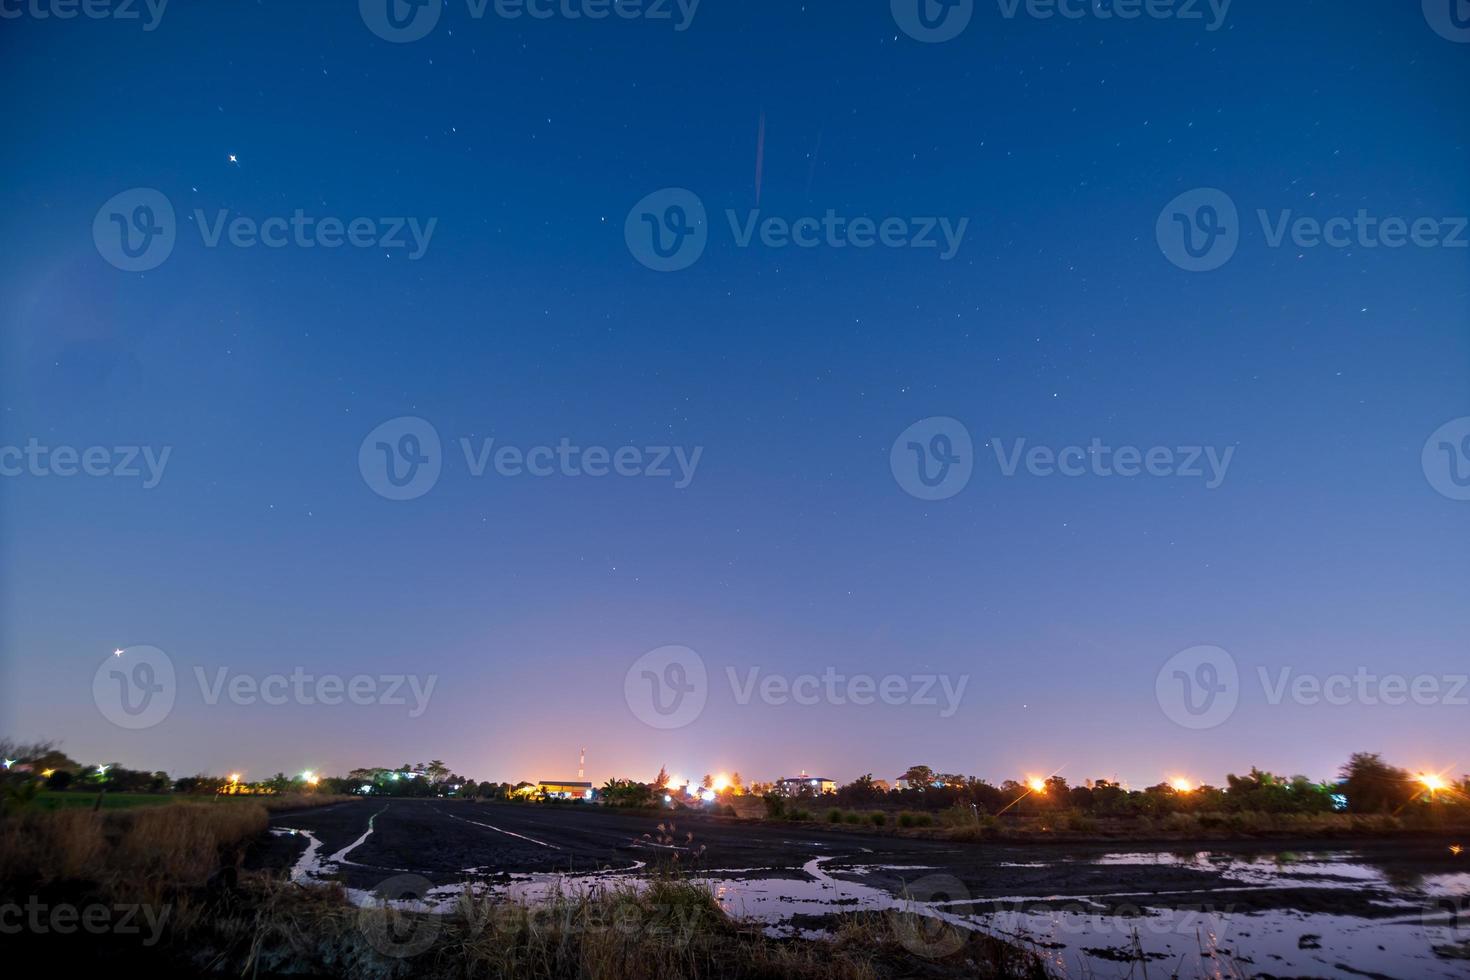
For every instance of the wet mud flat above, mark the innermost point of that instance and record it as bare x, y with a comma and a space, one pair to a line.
1380, 908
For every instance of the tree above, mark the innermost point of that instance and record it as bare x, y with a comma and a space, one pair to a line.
861, 791
918, 777
436, 771
1373, 786
661, 782
626, 792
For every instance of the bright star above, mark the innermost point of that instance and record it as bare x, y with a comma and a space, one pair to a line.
117, 652
234, 159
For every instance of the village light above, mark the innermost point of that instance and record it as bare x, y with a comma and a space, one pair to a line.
8, 763
234, 777
1431, 782
1036, 784
1181, 785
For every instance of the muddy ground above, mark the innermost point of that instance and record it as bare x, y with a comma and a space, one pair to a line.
453, 841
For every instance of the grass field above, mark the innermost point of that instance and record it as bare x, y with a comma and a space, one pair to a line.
48, 800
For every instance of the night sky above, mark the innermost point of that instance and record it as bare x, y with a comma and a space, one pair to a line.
265, 545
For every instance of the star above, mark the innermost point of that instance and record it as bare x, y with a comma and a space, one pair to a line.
118, 652
234, 159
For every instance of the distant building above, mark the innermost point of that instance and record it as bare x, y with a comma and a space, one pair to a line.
561, 789
805, 785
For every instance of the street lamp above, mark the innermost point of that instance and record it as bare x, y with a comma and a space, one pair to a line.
1432, 783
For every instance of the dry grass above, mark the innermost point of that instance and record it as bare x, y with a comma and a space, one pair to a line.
250, 923
672, 929
138, 855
